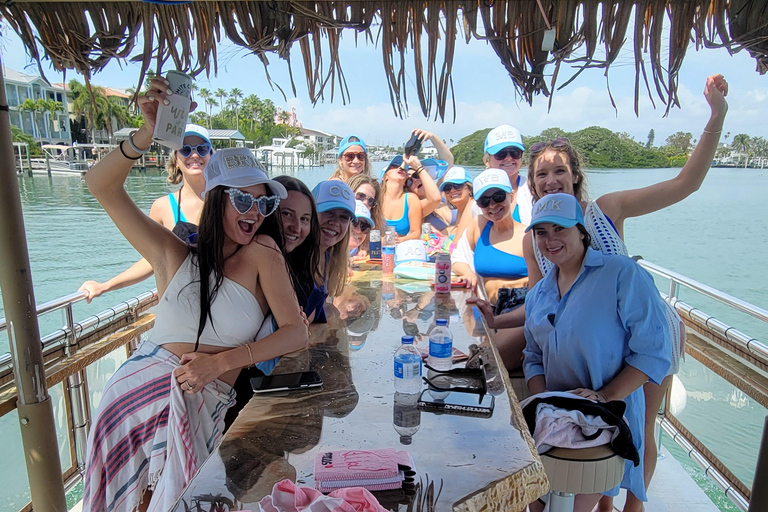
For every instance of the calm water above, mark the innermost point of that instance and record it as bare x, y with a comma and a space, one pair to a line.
717, 236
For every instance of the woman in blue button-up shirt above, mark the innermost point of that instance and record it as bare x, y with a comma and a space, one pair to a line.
596, 325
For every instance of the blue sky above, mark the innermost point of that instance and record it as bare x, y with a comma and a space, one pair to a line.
485, 96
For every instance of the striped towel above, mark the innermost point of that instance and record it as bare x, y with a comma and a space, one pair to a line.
149, 434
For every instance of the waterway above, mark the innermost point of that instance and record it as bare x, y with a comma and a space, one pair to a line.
716, 236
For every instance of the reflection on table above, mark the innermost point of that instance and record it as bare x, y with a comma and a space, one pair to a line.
477, 461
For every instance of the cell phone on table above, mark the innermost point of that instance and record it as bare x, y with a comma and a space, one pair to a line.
456, 402
286, 381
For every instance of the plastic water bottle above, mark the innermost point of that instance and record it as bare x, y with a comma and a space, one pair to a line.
440, 346
406, 416
407, 367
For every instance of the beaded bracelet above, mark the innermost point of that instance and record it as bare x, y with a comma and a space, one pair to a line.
133, 145
125, 154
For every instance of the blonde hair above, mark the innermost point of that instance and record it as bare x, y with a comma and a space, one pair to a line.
336, 268
338, 175
174, 173
363, 179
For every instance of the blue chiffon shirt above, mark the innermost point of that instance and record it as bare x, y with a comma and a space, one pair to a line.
612, 316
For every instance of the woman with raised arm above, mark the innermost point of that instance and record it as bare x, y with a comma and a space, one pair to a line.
162, 411
595, 326
424, 184
352, 159
401, 209
178, 211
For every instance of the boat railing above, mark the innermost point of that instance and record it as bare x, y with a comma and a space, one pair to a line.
68, 353
738, 358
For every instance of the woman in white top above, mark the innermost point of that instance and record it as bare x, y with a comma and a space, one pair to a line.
162, 411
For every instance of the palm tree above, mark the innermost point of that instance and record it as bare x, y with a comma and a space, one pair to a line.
53, 107
742, 143
34, 107
88, 106
221, 94
205, 95
235, 95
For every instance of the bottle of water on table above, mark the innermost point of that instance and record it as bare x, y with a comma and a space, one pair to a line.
440, 346
407, 367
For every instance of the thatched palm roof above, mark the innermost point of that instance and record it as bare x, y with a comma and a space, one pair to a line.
85, 35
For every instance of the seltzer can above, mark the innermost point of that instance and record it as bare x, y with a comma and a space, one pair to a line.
426, 230
443, 273
172, 119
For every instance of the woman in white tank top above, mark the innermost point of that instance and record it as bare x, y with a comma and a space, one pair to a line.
162, 411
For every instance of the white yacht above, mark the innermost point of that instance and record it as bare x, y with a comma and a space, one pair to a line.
278, 154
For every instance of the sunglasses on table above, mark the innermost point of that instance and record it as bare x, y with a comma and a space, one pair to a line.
559, 144
201, 149
362, 225
448, 187
244, 201
515, 153
351, 156
370, 201
476, 373
498, 197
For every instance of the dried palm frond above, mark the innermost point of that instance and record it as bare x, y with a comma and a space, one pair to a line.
85, 36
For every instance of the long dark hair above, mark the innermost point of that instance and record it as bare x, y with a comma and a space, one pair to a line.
304, 260
210, 250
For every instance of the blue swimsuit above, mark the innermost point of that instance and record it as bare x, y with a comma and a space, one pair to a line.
493, 263
178, 215
402, 226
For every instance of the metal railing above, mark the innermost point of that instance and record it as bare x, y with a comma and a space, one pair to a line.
67, 342
737, 347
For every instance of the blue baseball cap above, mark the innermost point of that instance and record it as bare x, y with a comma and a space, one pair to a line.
488, 179
502, 137
436, 168
195, 130
332, 195
457, 176
561, 209
351, 140
362, 212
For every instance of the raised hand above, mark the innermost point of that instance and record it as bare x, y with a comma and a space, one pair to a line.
715, 91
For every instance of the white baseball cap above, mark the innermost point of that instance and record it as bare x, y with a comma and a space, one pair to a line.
491, 178
410, 250
502, 137
456, 175
237, 167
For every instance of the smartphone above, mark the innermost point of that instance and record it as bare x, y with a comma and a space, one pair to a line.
456, 402
286, 381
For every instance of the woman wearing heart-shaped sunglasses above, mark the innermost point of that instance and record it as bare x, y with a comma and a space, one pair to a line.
212, 301
179, 211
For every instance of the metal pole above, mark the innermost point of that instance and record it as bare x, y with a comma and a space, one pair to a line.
38, 429
759, 499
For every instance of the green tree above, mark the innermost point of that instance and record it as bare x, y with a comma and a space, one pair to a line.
221, 94
19, 136
86, 106
469, 149
679, 143
206, 96
34, 107
742, 143
235, 95
651, 137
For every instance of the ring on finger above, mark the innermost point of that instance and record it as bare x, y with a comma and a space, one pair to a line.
190, 386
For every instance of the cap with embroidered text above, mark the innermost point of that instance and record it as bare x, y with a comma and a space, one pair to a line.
502, 137
457, 176
332, 195
488, 179
237, 167
560, 209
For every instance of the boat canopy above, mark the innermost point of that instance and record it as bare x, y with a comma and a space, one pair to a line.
525, 35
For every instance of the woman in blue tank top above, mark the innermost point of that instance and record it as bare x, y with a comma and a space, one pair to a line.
401, 209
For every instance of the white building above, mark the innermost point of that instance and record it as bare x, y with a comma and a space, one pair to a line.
43, 126
320, 139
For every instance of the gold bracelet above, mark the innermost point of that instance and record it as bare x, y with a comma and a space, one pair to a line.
250, 355
714, 133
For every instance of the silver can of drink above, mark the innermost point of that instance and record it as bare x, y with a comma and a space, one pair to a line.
443, 273
426, 230
171, 121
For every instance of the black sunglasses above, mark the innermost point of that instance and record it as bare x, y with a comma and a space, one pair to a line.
498, 197
477, 373
362, 225
447, 187
244, 201
201, 149
370, 201
559, 144
515, 153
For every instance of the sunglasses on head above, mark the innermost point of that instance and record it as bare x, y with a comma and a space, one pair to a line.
514, 152
559, 144
362, 225
201, 149
351, 156
447, 187
498, 197
371, 201
244, 201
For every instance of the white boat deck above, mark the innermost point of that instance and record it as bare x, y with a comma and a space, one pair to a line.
672, 489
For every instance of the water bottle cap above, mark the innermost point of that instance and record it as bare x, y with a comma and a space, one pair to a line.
441, 321
406, 440
407, 340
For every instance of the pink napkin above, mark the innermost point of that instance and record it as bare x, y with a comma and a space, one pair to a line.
288, 497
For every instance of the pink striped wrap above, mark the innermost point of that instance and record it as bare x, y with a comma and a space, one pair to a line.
149, 434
